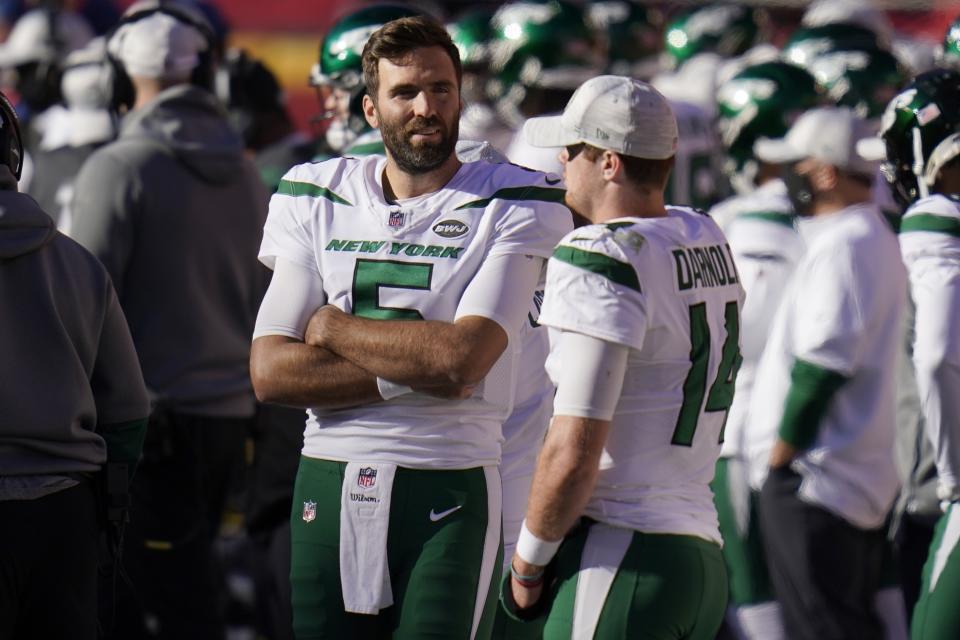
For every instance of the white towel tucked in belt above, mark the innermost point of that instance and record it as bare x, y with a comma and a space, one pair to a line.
364, 521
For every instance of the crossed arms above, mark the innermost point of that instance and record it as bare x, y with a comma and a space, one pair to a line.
339, 357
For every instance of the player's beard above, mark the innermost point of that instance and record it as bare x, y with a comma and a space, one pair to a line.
420, 158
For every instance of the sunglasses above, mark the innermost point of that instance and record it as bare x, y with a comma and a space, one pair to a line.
574, 150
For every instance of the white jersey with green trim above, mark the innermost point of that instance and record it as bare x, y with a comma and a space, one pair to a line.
930, 245
697, 179
411, 260
766, 248
668, 289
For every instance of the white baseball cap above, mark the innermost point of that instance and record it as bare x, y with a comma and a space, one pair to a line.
31, 39
828, 134
158, 46
611, 112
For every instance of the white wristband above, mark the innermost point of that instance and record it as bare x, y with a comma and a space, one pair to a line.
533, 550
389, 390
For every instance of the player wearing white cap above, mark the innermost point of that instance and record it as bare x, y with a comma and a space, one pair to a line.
643, 311
821, 426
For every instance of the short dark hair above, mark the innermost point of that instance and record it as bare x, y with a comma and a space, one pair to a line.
398, 38
645, 173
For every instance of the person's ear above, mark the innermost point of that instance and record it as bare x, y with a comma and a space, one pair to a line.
610, 166
370, 112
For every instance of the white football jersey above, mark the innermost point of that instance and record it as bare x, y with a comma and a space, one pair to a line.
842, 312
930, 244
668, 289
766, 248
697, 179
411, 259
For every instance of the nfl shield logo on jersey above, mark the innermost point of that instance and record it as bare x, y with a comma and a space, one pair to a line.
367, 477
396, 219
309, 511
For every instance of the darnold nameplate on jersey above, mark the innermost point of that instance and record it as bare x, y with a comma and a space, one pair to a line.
450, 229
367, 477
710, 266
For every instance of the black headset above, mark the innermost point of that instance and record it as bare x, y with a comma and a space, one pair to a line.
123, 94
11, 142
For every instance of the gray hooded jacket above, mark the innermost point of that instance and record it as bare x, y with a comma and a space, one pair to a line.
175, 212
70, 382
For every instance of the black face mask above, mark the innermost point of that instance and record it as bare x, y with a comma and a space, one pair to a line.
799, 190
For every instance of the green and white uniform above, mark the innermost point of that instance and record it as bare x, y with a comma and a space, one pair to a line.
524, 428
413, 259
930, 245
667, 289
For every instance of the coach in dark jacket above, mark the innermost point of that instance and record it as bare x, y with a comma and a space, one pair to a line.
175, 211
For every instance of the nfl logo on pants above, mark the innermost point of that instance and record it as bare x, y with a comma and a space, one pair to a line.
367, 477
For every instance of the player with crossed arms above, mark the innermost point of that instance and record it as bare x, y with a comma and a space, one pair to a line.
422, 268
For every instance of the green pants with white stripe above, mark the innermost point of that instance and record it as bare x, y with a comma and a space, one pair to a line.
665, 587
443, 571
742, 544
937, 614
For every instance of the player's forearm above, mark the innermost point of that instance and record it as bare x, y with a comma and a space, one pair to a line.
289, 372
410, 352
566, 473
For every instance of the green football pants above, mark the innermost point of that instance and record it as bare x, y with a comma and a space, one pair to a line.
740, 526
937, 614
444, 551
609, 583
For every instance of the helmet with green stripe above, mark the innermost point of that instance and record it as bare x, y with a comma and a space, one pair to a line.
864, 80
539, 44
727, 30
807, 43
949, 54
630, 35
921, 132
761, 101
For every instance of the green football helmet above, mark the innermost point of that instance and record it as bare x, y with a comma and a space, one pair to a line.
921, 132
473, 32
340, 67
949, 54
630, 36
864, 80
727, 30
761, 101
539, 44
341, 49
807, 43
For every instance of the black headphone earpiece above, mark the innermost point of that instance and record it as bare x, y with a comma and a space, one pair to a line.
11, 140
203, 76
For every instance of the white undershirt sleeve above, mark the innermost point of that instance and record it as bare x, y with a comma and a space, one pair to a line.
591, 376
295, 292
502, 290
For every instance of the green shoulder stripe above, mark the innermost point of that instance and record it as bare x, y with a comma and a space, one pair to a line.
366, 149
930, 222
614, 270
544, 194
783, 219
296, 189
